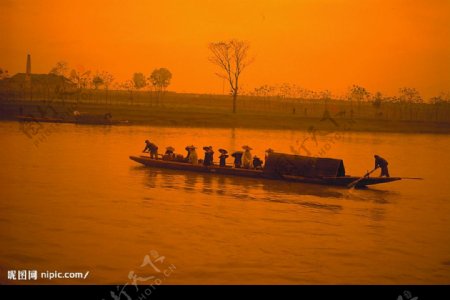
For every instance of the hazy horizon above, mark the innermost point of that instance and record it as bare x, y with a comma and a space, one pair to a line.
381, 45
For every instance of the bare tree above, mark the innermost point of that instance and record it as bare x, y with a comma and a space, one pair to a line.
107, 78
232, 58
410, 95
358, 93
81, 78
61, 68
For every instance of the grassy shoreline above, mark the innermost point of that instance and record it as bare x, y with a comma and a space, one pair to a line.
207, 117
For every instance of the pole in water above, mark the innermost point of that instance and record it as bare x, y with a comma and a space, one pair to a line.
354, 183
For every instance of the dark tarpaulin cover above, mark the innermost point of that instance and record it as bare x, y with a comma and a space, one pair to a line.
278, 164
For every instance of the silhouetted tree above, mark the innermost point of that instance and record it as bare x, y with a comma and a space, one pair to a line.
160, 79
409, 95
97, 81
358, 93
139, 81
377, 100
107, 79
232, 58
3, 73
440, 103
285, 90
80, 77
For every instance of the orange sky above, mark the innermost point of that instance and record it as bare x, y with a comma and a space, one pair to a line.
317, 44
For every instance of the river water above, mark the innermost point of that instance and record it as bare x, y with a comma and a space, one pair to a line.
75, 202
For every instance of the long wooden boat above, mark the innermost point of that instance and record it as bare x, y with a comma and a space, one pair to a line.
344, 180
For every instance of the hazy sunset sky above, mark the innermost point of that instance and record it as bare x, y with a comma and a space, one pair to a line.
317, 44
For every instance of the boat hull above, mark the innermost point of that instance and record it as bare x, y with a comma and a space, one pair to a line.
333, 181
175, 165
343, 181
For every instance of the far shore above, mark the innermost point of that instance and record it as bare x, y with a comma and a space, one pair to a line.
185, 116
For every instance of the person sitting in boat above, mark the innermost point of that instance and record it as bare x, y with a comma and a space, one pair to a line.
188, 150
237, 158
247, 157
209, 156
257, 163
180, 158
151, 148
223, 157
193, 157
268, 152
169, 154
383, 164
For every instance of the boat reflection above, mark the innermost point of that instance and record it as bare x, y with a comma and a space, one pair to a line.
243, 188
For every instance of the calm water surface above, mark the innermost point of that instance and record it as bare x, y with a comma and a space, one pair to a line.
77, 203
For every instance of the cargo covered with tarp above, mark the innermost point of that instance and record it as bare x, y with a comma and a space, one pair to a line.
279, 164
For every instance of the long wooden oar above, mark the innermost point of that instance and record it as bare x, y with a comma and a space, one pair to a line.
416, 178
353, 183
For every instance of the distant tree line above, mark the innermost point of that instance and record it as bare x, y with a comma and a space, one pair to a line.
355, 94
159, 79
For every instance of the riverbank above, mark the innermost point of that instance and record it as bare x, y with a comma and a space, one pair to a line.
216, 118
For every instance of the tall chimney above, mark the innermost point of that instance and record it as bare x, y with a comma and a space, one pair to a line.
28, 65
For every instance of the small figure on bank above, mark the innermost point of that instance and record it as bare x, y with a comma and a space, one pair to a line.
193, 157
209, 156
151, 148
237, 158
223, 157
247, 157
257, 163
383, 164
76, 115
108, 117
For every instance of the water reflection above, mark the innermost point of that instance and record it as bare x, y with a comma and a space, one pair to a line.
151, 176
220, 184
371, 195
250, 189
190, 183
207, 186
